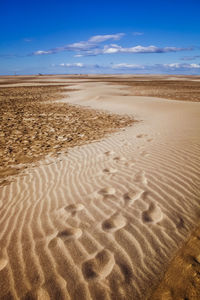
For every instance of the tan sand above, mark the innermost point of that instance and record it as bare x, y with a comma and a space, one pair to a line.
104, 220
181, 281
34, 125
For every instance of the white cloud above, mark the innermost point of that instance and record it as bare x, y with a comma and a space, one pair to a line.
127, 66
182, 66
82, 46
162, 67
123, 67
70, 65
139, 49
106, 37
113, 48
41, 52
196, 66
89, 49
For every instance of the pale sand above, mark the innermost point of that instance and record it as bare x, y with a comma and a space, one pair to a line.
104, 220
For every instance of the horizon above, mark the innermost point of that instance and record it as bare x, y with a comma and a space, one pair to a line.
100, 38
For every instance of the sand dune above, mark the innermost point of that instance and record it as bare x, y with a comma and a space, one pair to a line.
104, 220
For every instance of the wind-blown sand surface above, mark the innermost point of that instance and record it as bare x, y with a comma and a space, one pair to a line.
104, 220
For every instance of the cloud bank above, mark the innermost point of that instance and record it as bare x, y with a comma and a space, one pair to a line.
93, 47
132, 68
113, 48
82, 46
157, 67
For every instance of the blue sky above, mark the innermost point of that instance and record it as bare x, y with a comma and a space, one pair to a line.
63, 37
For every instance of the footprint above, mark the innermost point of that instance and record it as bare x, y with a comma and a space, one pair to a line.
180, 223
109, 153
114, 223
100, 266
107, 191
127, 144
139, 136
119, 158
70, 233
132, 196
153, 214
140, 177
149, 140
144, 153
40, 294
74, 208
110, 170
3, 263
130, 163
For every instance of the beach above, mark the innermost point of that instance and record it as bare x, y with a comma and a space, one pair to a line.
107, 209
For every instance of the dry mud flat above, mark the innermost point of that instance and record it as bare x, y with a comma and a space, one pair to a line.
104, 220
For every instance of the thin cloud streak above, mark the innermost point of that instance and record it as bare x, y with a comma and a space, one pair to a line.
77, 65
103, 38
70, 65
190, 57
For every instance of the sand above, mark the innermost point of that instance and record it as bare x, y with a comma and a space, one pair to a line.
181, 281
105, 220
34, 125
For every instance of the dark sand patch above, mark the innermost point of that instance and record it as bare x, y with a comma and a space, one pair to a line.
181, 280
33, 125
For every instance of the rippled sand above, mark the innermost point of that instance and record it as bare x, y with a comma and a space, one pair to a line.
105, 219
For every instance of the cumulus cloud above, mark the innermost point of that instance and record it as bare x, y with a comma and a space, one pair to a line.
82, 46
113, 48
93, 47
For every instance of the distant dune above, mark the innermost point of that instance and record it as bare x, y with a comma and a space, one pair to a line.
105, 219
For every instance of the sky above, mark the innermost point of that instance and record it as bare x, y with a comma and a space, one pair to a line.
106, 37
